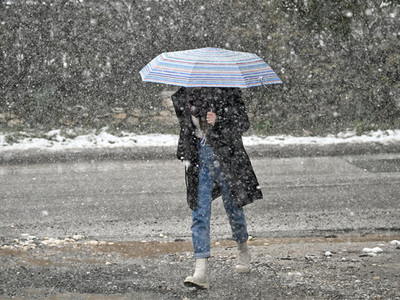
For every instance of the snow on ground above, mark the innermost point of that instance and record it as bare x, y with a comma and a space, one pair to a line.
57, 140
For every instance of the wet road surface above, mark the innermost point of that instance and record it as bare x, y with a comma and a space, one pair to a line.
136, 228
140, 199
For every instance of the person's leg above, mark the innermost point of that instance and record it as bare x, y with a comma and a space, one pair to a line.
201, 220
235, 214
237, 220
202, 215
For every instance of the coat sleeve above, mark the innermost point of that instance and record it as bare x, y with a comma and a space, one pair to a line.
177, 100
187, 149
187, 141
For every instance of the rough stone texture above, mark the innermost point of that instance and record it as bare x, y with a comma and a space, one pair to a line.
339, 60
164, 116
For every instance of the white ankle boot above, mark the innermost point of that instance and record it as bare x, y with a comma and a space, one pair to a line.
200, 277
243, 258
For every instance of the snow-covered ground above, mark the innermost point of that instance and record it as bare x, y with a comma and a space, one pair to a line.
58, 140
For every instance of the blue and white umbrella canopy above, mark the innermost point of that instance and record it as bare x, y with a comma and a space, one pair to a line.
209, 67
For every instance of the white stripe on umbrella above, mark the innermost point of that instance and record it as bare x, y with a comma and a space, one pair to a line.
209, 67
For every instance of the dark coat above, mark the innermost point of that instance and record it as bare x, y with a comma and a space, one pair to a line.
225, 137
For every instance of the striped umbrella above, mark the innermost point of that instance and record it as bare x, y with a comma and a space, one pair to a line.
209, 67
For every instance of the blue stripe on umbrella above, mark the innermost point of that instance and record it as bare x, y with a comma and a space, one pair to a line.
209, 67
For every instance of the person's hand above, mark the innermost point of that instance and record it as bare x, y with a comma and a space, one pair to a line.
211, 117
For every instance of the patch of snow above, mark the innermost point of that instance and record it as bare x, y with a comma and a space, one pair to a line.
383, 137
375, 250
55, 140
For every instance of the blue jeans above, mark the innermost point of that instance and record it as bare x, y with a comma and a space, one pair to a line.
209, 171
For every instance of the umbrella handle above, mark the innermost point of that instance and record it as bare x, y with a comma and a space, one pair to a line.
203, 141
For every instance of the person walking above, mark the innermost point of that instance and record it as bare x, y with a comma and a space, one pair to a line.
212, 121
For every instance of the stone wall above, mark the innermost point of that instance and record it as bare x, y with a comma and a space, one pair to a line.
163, 116
77, 63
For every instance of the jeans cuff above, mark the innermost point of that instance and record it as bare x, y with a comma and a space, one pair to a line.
241, 239
201, 255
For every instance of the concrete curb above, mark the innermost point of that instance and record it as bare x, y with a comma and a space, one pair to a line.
44, 156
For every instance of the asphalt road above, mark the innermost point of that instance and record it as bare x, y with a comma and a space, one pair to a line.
120, 229
134, 200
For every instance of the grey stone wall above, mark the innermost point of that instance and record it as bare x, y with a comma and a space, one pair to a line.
76, 63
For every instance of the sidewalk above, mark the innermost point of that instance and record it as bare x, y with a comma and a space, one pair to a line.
44, 155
